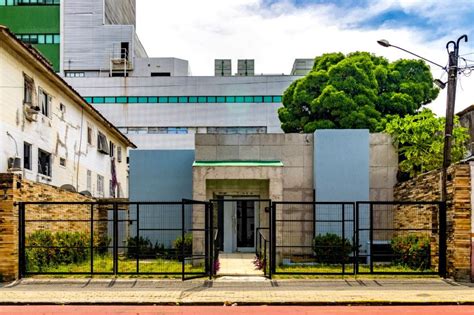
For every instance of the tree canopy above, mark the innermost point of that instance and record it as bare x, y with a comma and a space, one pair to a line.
355, 91
420, 141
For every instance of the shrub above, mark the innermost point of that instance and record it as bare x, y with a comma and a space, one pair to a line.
330, 248
102, 243
412, 251
187, 243
45, 248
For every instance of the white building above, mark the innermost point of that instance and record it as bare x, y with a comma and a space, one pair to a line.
49, 134
155, 101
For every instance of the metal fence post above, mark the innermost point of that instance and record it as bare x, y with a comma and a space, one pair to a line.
210, 234
21, 240
442, 268
272, 239
182, 238
115, 235
343, 239
92, 238
371, 236
137, 243
356, 233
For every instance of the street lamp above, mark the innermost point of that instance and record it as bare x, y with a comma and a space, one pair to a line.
453, 51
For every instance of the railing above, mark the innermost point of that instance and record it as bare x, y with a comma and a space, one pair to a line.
262, 251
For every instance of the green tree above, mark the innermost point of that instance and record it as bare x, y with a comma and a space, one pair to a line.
355, 91
420, 140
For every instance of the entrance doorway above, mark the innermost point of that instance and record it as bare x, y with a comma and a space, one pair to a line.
240, 218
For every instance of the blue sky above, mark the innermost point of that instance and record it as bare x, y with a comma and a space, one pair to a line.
275, 32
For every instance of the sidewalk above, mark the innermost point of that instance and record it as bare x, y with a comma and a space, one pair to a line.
242, 291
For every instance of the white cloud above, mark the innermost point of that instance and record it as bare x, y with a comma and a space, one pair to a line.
201, 31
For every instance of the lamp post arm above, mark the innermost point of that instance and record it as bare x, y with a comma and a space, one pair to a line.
411, 53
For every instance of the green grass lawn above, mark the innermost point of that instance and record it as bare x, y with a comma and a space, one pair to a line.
104, 263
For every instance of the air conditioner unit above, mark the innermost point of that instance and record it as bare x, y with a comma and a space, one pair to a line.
14, 164
31, 112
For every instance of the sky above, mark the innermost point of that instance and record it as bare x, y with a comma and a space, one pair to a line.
275, 32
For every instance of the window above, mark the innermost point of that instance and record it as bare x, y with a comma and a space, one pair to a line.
75, 74
100, 185
111, 148
235, 130
62, 162
111, 189
137, 130
89, 135
89, 180
102, 145
27, 90
160, 74
62, 108
119, 154
124, 49
27, 156
44, 162
45, 102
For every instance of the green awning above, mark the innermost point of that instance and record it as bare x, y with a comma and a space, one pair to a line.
237, 163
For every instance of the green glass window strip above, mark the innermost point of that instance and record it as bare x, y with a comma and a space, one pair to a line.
88, 99
49, 39
56, 39
41, 39
186, 99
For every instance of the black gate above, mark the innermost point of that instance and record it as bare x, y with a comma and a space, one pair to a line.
116, 238
313, 238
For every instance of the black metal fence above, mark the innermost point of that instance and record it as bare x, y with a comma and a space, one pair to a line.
314, 238
396, 237
128, 238
183, 239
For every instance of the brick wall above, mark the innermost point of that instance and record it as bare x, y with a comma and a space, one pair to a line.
427, 187
15, 189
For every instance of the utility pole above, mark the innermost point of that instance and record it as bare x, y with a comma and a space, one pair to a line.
453, 51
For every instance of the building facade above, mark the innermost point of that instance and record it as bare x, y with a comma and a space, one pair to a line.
49, 134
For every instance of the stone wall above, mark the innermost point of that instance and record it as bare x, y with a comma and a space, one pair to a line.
14, 189
427, 187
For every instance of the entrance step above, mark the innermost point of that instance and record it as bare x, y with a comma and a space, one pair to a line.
237, 264
242, 279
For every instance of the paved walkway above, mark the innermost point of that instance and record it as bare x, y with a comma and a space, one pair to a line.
238, 264
231, 290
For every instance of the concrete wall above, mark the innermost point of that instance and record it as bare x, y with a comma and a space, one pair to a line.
62, 134
383, 167
295, 151
161, 175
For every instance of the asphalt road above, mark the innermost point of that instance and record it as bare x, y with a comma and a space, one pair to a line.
237, 310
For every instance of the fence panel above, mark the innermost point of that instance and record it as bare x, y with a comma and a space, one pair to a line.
132, 238
400, 238
313, 238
